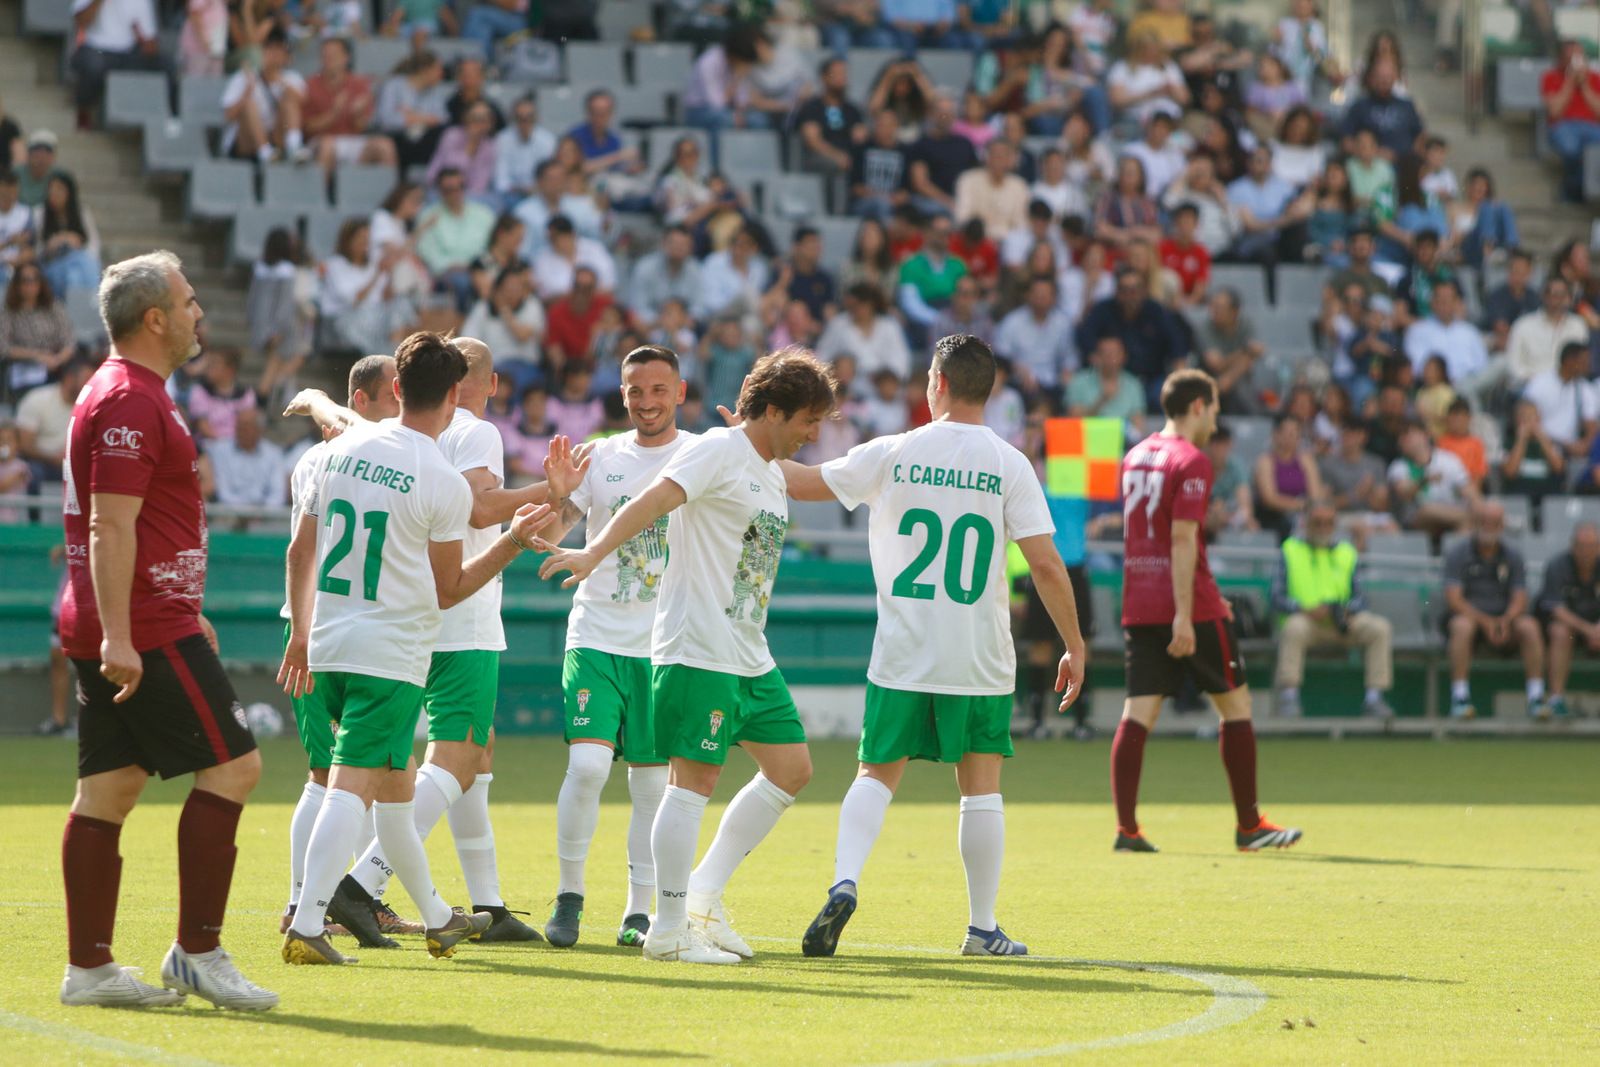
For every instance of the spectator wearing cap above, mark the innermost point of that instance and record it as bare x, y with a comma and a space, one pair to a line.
1569, 604
1037, 339
247, 470
1155, 345
556, 264
1568, 402
1161, 157
669, 273
1570, 91
831, 127
879, 175
1431, 487
37, 169
518, 151
338, 109
1536, 339
1485, 591
865, 330
455, 231
1445, 332
938, 160
113, 35
1391, 118
470, 149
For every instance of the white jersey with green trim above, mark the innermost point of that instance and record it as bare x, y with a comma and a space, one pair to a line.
467, 444
382, 495
614, 608
945, 499
724, 544
306, 468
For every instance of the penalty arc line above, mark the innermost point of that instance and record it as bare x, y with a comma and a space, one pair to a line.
1233, 1000
111, 1046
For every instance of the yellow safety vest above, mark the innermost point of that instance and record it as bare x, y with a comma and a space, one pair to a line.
1318, 576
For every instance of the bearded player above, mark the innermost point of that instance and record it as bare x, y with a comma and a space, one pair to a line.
1176, 624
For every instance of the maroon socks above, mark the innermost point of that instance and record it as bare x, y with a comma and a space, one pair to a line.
205, 868
1237, 742
93, 873
1127, 760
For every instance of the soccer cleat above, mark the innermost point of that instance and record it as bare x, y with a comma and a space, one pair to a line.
991, 943
443, 940
707, 915
1461, 708
634, 929
212, 976
506, 926
352, 909
822, 936
1377, 709
300, 949
565, 918
1265, 835
1539, 710
1556, 707
390, 922
1134, 842
112, 986
1287, 705
683, 945
286, 920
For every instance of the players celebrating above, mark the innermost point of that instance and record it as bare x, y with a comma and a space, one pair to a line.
605, 675
152, 695
945, 500
713, 682
1176, 623
388, 561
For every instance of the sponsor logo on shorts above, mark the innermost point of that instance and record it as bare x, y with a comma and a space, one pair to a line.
716, 722
238, 715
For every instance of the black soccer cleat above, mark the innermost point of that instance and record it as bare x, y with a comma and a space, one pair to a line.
1265, 835
562, 929
1134, 842
633, 930
822, 936
351, 908
506, 927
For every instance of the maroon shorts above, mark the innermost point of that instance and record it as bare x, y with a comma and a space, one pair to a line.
1217, 665
184, 717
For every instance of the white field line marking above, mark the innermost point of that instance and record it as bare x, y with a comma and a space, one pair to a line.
1233, 1000
124, 1050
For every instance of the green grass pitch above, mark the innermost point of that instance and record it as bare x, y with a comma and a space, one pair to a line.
1444, 907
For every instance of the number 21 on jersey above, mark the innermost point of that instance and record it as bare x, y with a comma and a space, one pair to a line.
376, 524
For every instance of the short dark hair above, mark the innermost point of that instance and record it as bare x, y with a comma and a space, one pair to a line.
366, 375
1182, 388
1448, 283
1186, 208
1038, 209
803, 231
651, 354
8, 176
559, 224
1459, 404
1574, 348
446, 173
790, 379
428, 366
1425, 235
967, 363
1222, 436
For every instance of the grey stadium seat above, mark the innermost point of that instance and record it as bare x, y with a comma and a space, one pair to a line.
1300, 288
560, 108
1559, 514
250, 228
948, 68
658, 146
380, 55
838, 238
453, 50
641, 105
1517, 84
1284, 331
83, 308
134, 97
1249, 281
1519, 512
291, 186
360, 187
1407, 609
865, 66
617, 19
747, 154
795, 197
220, 187
594, 63
1250, 437
322, 231
1413, 545
173, 146
664, 64
200, 99
47, 16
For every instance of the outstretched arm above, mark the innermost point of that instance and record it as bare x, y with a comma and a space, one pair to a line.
322, 408
658, 500
805, 482
1055, 589
455, 581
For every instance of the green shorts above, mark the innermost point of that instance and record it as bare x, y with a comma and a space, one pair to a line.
316, 730
700, 713
459, 699
933, 726
607, 698
377, 717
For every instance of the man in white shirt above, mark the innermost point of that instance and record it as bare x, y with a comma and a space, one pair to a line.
548, 199
1040, 229
733, 280
45, 415
117, 35
518, 151
669, 273
1163, 160
713, 682
557, 263
1037, 339
262, 107
1538, 337
1432, 489
1447, 333
375, 560
946, 499
993, 193
248, 470
16, 226
1568, 402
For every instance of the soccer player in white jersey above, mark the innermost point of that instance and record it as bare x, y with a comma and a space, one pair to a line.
945, 500
372, 398
605, 675
376, 559
713, 682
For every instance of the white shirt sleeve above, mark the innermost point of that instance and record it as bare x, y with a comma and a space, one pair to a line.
702, 466
481, 447
858, 476
1026, 510
452, 507
234, 91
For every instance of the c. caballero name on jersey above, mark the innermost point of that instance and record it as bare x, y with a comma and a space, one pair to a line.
948, 478
377, 474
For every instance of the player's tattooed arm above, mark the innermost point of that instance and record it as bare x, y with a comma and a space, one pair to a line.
322, 409
1055, 589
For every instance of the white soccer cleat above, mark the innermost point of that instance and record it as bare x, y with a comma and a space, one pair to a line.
710, 918
113, 987
212, 976
683, 945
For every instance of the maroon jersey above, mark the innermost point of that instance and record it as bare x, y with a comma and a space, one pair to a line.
127, 437
1164, 479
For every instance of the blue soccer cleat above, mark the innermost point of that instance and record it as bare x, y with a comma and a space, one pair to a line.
822, 936
991, 943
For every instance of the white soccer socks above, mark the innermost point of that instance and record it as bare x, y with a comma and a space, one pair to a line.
474, 834
397, 835
673, 838
749, 818
436, 791
866, 802
645, 787
300, 824
578, 810
334, 836
982, 836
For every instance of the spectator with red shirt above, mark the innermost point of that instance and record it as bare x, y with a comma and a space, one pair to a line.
571, 319
1185, 256
152, 695
972, 246
338, 110
1571, 94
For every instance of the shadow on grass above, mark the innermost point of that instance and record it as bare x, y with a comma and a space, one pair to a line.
1376, 861
1322, 973
656, 978
1035, 974
451, 1034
